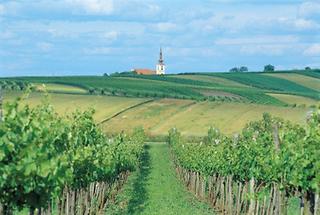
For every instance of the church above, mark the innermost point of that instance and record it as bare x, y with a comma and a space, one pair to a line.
160, 68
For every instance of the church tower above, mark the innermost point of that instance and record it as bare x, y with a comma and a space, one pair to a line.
161, 67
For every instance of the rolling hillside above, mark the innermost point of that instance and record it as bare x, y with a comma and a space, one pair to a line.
240, 87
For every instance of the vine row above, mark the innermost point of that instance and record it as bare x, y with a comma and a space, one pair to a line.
256, 172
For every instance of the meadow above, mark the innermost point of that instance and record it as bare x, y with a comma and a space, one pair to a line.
158, 116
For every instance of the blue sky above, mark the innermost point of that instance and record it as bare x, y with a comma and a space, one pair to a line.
88, 37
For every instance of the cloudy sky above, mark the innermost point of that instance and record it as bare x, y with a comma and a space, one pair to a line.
64, 37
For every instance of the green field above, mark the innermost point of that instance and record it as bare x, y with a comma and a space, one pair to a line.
270, 83
157, 117
194, 119
240, 87
292, 99
307, 81
105, 106
191, 102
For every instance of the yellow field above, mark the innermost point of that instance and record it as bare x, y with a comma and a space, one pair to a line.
195, 118
105, 106
292, 99
60, 88
213, 80
303, 80
157, 117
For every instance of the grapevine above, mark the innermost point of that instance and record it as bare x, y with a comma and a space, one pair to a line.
47, 159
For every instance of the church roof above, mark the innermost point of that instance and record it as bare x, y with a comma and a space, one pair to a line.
144, 71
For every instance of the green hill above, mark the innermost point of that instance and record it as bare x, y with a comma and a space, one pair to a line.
240, 87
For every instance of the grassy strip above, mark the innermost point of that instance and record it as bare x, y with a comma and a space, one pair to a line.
124, 110
155, 189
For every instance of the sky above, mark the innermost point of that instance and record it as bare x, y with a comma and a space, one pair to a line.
92, 37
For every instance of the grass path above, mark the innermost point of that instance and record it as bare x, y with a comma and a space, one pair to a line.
155, 189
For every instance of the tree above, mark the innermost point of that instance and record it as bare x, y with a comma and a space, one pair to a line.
269, 68
244, 69
91, 90
307, 68
235, 69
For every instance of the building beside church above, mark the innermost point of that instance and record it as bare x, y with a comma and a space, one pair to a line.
160, 68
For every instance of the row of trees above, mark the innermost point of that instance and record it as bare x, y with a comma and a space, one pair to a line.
267, 68
256, 172
64, 163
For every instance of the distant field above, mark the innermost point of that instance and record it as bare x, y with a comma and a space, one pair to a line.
213, 80
292, 99
157, 117
144, 88
195, 118
60, 88
306, 81
236, 87
105, 106
269, 83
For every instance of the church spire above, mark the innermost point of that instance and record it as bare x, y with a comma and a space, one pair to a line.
160, 67
161, 57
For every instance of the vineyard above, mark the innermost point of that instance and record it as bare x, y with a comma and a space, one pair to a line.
51, 164
63, 157
259, 171
245, 87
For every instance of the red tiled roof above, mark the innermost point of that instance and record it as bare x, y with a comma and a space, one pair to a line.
144, 71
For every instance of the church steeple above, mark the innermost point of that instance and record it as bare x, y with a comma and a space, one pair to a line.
160, 68
161, 57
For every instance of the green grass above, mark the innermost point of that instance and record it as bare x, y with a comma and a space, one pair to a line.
105, 106
292, 99
303, 80
156, 86
144, 88
250, 94
269, 83
213, 80
155, 189
249, 87
194, 118
315, 73
157, 117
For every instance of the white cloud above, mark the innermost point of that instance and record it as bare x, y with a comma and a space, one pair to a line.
313, 50
305, 24
98, 51
45, 46
268, 50
5, 35
298, 23
165, 26
2, 10
153, 8
110, 36
267, 39
309, 8
99, 7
